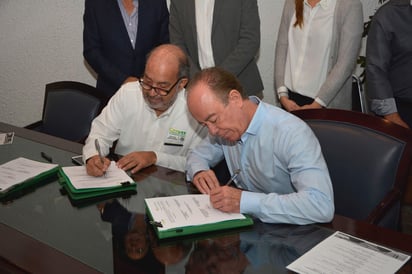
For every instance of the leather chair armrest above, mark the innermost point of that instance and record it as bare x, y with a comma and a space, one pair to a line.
35, 126
384, 205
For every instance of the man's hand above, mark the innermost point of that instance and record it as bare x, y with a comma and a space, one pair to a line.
288, 104
95, 167
205, 181
395, 118
226, 199
130, 79
137, 160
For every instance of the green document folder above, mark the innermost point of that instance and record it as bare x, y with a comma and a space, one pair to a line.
35, 180
189, 226
86, 196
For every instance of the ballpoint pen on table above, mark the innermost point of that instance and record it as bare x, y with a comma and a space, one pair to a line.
46, 157
99, 151
235, 173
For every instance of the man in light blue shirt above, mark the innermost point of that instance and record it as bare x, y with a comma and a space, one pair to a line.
283, 176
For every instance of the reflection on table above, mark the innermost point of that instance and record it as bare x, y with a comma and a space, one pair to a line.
265, 248
118, 239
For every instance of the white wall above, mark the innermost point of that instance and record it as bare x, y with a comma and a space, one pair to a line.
41, 42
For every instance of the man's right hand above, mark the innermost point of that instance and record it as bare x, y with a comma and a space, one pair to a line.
205, 181
95, 167
396, 118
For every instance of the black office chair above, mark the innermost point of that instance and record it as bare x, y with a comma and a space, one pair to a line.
68, 110
358, 95
368, 159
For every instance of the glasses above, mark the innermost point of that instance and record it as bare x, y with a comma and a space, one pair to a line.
160, 91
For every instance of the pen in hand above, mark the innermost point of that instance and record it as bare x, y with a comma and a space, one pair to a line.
99, 151
235, 173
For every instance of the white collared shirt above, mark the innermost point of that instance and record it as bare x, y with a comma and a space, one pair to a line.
128, 119
309, 49
204, 21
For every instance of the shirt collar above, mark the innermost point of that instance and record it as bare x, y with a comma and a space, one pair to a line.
256, 121
323, 3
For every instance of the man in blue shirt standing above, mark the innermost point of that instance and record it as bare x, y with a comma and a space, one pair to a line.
283, 176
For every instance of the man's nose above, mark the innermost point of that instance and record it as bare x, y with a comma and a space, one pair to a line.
152, 92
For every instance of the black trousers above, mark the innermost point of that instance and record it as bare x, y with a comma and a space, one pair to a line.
300, 99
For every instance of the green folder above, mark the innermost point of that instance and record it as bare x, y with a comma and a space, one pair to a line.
195, 229
30, 184
90, 195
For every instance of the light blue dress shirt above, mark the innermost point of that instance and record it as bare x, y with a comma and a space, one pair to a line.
281, 164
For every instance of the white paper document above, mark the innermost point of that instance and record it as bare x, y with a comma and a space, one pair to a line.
19, 170
186, 210
81, 180
343, 253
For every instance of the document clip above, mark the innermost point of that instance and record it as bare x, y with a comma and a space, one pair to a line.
125, 183
157, 224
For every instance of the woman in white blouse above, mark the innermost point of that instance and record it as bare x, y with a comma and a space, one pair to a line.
316, 51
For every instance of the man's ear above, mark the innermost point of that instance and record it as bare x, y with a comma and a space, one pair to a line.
235, 96
183, 83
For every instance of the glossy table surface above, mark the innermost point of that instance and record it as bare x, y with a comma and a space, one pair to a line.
42, 232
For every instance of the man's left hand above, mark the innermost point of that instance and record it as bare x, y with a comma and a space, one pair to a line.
137, 160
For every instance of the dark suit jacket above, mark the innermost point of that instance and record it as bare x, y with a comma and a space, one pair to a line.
106, 44
235, 38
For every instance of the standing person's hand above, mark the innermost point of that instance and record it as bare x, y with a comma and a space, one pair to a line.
288, 104
396, 118
130, 79
313, 105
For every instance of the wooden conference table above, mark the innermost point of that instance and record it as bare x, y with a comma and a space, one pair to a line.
42, 232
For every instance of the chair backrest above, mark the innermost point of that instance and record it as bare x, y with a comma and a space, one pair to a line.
69, 108
368, 160
358, 96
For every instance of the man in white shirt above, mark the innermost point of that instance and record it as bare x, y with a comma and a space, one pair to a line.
148, 118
